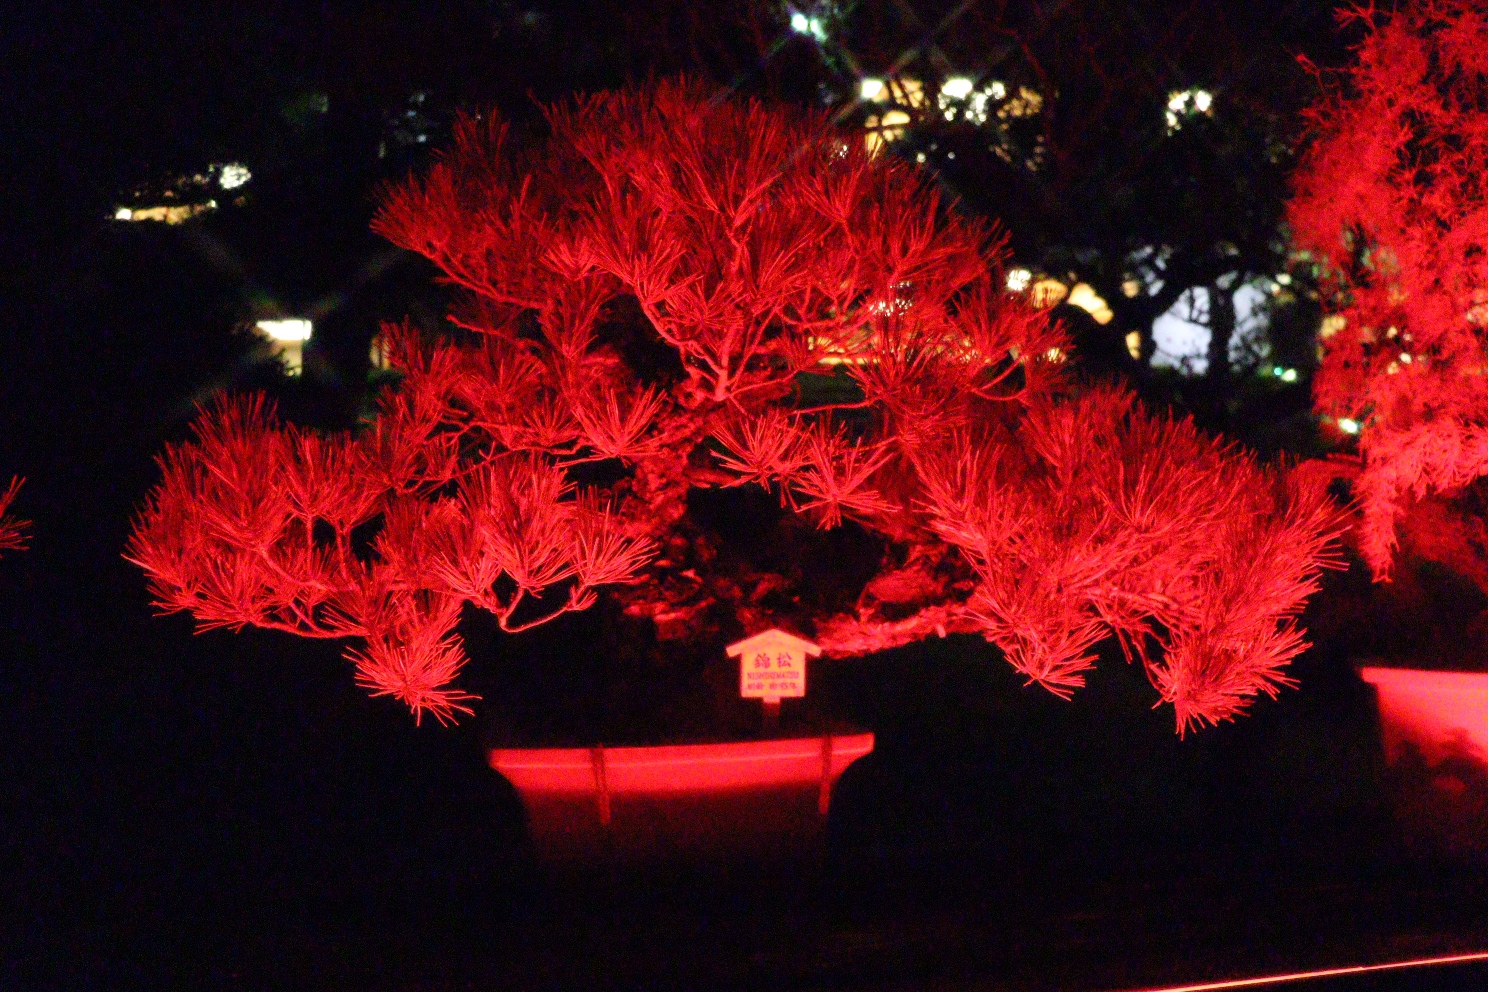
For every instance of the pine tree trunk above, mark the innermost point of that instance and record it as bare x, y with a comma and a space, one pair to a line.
1221, 331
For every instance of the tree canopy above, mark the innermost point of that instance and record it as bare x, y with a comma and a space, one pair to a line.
12, 528
1389, 196
678, 293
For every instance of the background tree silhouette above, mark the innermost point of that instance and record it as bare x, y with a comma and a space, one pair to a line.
1141, 151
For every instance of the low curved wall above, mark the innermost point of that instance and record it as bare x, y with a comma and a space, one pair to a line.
762, 800
1434, 727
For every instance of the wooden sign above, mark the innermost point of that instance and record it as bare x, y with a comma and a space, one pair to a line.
772, 665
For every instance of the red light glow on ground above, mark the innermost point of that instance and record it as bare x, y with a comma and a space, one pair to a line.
682, 767
1297, 976
767, 799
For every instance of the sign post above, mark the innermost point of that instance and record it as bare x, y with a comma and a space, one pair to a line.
772, 667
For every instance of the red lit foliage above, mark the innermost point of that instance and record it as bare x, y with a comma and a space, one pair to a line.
654, 300
12, 530
1390, 197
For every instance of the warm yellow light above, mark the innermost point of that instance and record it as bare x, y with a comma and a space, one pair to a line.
1134, 344
177, 213
872, 89
911, 92
286, 340
1025, 103
1047, 292
882, 130
1331, 325
293, 329
957, 87
1087, 299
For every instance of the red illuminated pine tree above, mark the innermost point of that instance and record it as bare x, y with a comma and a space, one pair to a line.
1391, 198
678, 292
12, 529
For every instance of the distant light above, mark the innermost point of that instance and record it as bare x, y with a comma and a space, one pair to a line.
895, 306
882, 130
1348, 426
1134, 344
1289, 375
293, 329
812, 26
1284, 278
166, 213
1086, 298
1018, 279
957, 87
1026, 103
377, 353
286, 340
959, 99
1331, 325
1186, 103
872, 89
233, 175
911, 92
1048, 292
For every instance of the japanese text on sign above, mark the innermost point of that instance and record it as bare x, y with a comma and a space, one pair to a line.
772, 665
778, 675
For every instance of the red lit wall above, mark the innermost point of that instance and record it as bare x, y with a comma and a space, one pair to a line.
1434, 727
766, 800
1441, 713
